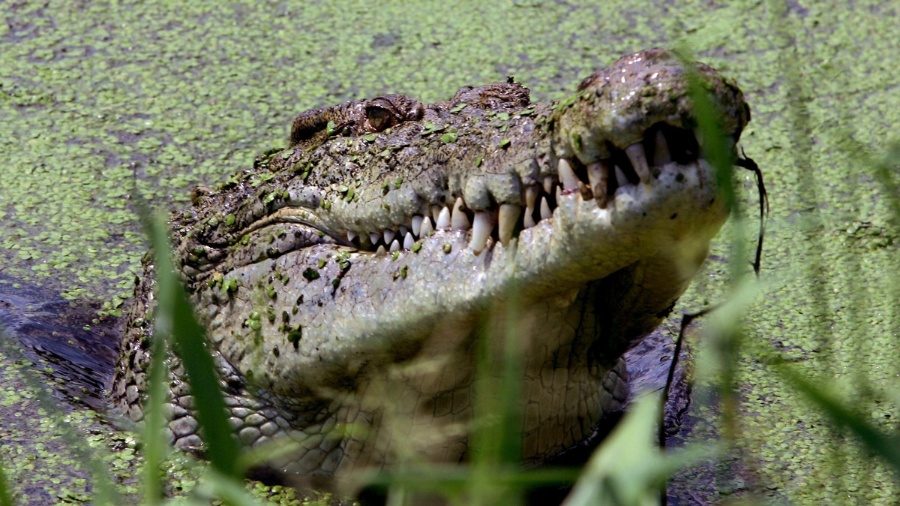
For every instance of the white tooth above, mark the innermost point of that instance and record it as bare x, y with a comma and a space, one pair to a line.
531, 195
408, 241
559, 194
620, 178
481, 230
402, 230
458, 219
395, 246
598, 175
389, 235
417, 224
548, 184
426, 229
661, 154
509, 215
436, 211
528, 221
635, 153
567, 176
375, 237
443, 219
380, 250
351, 235
545, 209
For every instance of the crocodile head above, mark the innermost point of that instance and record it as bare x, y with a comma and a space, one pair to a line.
344, 279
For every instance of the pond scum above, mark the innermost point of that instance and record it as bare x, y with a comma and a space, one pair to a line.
628, 468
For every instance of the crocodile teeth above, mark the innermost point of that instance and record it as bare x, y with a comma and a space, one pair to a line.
436, 212
380, 250
427, 229
531, 195
351, 235
508, 216
408, 241
459, 220
417, 224
481, 230
598, 175
389, 235
395, 246
661, 154
567, 176
374, 237
545, 209
528, 221
549, 184
585, 192
638, 160
402, 230
621, 179
443, 219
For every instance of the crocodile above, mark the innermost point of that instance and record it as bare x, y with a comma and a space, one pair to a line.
345, 279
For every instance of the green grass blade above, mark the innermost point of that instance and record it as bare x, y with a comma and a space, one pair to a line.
154, 440
188, 337
5, 498
627, 470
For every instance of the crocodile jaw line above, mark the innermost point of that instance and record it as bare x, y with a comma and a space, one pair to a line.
665, 226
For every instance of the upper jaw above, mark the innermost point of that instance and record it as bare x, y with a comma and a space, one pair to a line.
607, 139
623, 125
617, 106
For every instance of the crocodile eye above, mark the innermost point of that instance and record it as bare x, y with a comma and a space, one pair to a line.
378, 118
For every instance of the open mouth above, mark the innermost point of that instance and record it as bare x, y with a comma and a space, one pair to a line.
600, 181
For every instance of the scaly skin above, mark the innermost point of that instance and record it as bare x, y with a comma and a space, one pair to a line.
589, 217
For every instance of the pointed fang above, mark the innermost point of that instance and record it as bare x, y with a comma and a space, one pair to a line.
567, 176
509, 215
531, 195
427, 229
545, 209
459, 220
443, 219
638, 160
417, 224
481, 230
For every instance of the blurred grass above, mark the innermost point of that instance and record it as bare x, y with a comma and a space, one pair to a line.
493, 477
843, 411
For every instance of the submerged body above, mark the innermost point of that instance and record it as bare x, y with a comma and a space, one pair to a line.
344, 280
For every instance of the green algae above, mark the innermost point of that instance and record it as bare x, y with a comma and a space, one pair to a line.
166, 95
